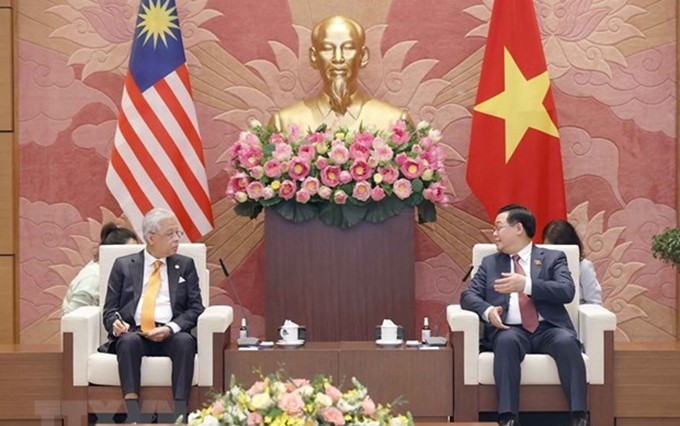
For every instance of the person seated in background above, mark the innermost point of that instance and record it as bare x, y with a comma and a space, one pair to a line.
520, 293
84, 289
562, 232
153, 300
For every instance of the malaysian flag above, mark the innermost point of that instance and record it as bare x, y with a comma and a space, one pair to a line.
157, 158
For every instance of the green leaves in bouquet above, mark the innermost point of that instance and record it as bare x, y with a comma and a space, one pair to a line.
384, 209
426, 212
343, 216
296, 212
250, 209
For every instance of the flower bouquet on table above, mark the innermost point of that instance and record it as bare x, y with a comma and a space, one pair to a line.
296, 402
342, 177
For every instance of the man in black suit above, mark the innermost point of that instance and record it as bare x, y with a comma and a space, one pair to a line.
152, 302
525, 313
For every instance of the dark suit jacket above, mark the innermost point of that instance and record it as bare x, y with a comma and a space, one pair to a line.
125, 289
551, 286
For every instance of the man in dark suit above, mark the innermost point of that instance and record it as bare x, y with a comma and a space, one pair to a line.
525, 313
152, 302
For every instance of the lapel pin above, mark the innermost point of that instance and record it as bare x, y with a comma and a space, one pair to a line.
176, 266
538, 262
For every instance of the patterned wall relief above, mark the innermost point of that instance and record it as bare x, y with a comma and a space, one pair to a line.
612, 64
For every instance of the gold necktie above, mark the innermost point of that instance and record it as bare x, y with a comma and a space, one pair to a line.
149, 302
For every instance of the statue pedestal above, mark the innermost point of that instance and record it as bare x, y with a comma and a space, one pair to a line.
339, 283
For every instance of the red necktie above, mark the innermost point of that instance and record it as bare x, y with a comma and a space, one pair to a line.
527, 309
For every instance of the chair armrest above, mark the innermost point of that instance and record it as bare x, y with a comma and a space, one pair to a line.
467, 322
593, 321
84, 323
215, 319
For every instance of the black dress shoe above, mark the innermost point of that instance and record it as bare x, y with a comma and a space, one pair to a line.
579, 422
508, 422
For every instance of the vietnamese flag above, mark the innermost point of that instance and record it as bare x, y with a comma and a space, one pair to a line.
514, 143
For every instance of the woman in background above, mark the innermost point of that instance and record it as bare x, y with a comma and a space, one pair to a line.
562, 232
84, 289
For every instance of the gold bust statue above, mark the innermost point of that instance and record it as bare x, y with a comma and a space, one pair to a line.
338, 51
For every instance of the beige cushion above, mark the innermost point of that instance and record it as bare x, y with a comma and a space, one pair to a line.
102, 369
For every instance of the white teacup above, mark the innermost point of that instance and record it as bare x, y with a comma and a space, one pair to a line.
289, 333
388, 333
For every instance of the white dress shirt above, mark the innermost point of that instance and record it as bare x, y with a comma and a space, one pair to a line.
163, 312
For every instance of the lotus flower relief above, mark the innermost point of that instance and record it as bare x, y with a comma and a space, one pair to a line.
104, 29
580, 34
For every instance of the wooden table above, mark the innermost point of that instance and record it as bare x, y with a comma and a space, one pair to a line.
423, 378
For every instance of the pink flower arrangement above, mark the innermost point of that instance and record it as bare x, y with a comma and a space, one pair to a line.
329, 169
279, 402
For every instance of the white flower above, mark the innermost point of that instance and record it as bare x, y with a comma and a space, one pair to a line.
323, 400
399, 421
262, 401
306, 391
345, 406
210, 421
254, 124
278, 388
435, 135
422, 125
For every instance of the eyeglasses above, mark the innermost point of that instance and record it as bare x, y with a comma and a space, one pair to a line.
496, 228
169, 235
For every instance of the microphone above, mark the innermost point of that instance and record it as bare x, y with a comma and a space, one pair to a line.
438, 340
242, 340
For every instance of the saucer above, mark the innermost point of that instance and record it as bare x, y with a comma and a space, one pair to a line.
388, 343
292, 344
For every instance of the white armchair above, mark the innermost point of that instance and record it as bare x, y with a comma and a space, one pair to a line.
474, 385
91, 382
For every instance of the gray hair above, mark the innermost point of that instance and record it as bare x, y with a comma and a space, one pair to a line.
152, 220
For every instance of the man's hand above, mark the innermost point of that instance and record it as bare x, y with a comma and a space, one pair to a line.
120, 327
495, 318
510, 283
159, 334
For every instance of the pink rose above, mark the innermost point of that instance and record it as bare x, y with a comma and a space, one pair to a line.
306, 152
293, 131
401, 158
292, 404
345, 176
339, 154
382, 152
268, 193
425, 143
368, 407
411, 168
321, 163
402, 188
357, 150
416, 149
362, 191
330, 176
217, 408
287, 189
389, 175
331, 390
250, 157
363, 138
293, 384
254, 419
311, 185
272, 169
255, 190
399, 133
435, 192
302, 196
283, 152
315, 138
360, 170
238, 182
298, 168
257, 172
257, 387
340, 197
276, 138
333, 415
325, 192
377, 193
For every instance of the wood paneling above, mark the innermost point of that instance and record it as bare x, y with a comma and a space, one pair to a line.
6, 56
6, 299
5, 3
339, 283
30, 382
647, 380
6, 195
